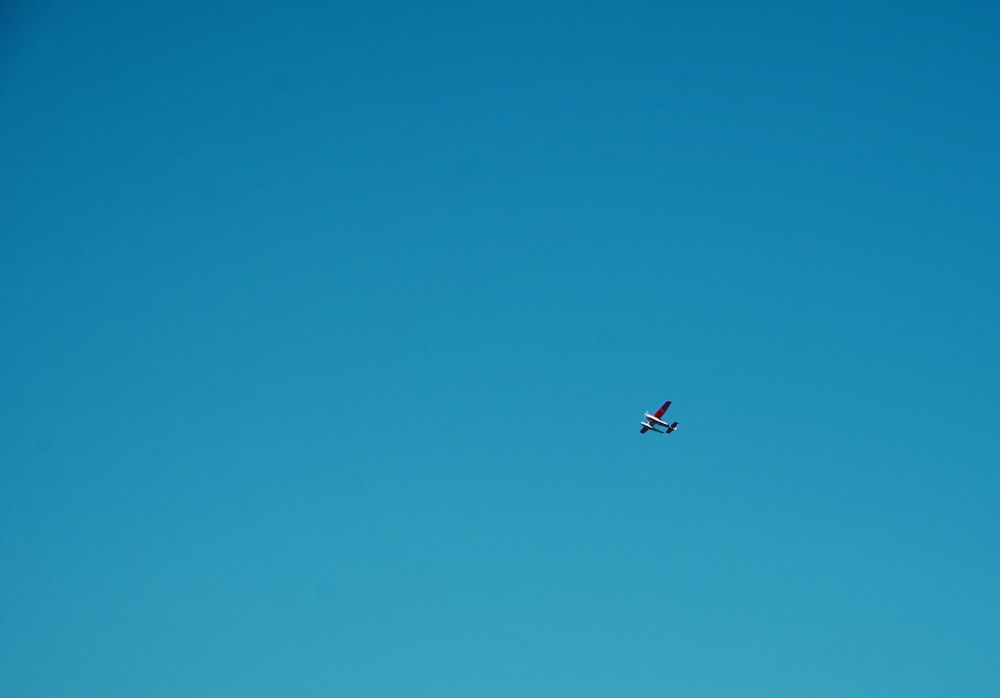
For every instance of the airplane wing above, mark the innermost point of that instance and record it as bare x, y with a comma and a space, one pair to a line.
655, 417
663, 408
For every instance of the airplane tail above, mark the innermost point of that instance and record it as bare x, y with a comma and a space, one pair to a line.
672, 427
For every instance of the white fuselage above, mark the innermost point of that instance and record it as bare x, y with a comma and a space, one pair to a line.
652, 419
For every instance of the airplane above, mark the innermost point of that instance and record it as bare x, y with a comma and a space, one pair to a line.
653, 421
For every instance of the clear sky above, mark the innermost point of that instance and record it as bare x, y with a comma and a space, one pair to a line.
327, 329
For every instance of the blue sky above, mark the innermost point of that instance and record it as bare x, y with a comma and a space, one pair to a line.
327, 331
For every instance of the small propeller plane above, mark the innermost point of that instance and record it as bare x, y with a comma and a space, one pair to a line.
653, 421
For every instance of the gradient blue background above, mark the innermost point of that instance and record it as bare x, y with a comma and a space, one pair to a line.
327, 329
